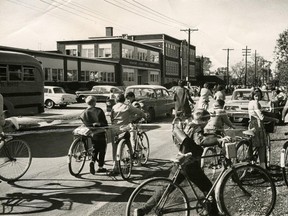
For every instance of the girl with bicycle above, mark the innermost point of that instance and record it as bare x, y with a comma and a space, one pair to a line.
205, 93
256, 124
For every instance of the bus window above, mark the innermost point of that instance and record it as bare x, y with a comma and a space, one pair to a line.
14, 72
28, 74
3, 73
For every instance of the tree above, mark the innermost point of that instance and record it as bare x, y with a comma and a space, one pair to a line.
207, 64
281, 51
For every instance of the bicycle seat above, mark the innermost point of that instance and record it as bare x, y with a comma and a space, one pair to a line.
249, 133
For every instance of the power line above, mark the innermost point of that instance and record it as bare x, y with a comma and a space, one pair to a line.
137, 13
162, 15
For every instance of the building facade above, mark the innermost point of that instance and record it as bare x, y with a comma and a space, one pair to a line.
174, 56
138, 63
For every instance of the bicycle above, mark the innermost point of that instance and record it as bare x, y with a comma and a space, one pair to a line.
15, 158
235, 193
80, 150
246, 151
284, 161
126, 155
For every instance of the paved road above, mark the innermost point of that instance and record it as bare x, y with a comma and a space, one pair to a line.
48, 188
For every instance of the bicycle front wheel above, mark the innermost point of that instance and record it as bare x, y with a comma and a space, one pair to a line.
209, 163
284, 162
76, 156
124, 158
158, 196
15, 160
251, 194
143, 148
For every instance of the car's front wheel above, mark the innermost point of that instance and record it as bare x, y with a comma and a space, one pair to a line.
49, 104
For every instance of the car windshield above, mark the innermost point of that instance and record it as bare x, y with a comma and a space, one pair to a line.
58, 90
142, 93
246, 95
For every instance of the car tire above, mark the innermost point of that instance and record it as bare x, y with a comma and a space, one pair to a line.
49, 104
150, 115
82, 98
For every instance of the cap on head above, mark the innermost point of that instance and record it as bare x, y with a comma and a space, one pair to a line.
90, 100
201, 115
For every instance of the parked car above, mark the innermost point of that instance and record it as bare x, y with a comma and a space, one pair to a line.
55, 95
155, 100
237, 107
101, 92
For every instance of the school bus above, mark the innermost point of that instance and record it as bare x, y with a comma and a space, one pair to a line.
21, 84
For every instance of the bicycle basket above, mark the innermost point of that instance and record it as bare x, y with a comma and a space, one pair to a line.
230, 150
82, 130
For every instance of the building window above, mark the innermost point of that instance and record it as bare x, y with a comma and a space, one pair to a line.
172, 68
71, 50
127, 51
154, 57
141, 54
87, 51
128, 74
47, 72
71, 75
104, 50
154, 76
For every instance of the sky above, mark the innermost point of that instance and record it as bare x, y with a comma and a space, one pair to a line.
220, 24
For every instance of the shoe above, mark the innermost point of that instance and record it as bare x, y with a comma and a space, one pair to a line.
92, 168
102, 170
138, 212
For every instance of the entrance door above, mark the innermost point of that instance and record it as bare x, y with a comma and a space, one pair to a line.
139, 80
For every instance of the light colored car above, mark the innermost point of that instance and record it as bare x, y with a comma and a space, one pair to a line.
155, 100
237, 107
55, 95
101, 92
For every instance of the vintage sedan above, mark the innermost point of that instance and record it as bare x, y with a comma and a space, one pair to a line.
101, 92
55, 95
155, 100
237, 107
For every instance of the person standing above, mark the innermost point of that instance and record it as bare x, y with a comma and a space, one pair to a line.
182, 100
220, 93
205, 93
256, 124
94, 118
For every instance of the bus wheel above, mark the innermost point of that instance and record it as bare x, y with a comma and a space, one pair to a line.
49, 104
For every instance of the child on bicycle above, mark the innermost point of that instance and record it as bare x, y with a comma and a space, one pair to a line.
192, 143
94, 118
218, 119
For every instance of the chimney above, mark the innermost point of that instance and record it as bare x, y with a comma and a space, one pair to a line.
109, 31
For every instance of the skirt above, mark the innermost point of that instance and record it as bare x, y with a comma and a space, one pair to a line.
260, 138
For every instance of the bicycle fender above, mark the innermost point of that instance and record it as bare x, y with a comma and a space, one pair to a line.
282, 155
218, 185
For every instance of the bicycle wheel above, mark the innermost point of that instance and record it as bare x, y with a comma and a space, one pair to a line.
77, 156
284, 162
243, 151
209, 164
15, 160
252, 194
143, 147
124, 158
158, 196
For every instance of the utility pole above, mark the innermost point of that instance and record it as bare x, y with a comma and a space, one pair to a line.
189, 30
228, 50
255, 75
246, 53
